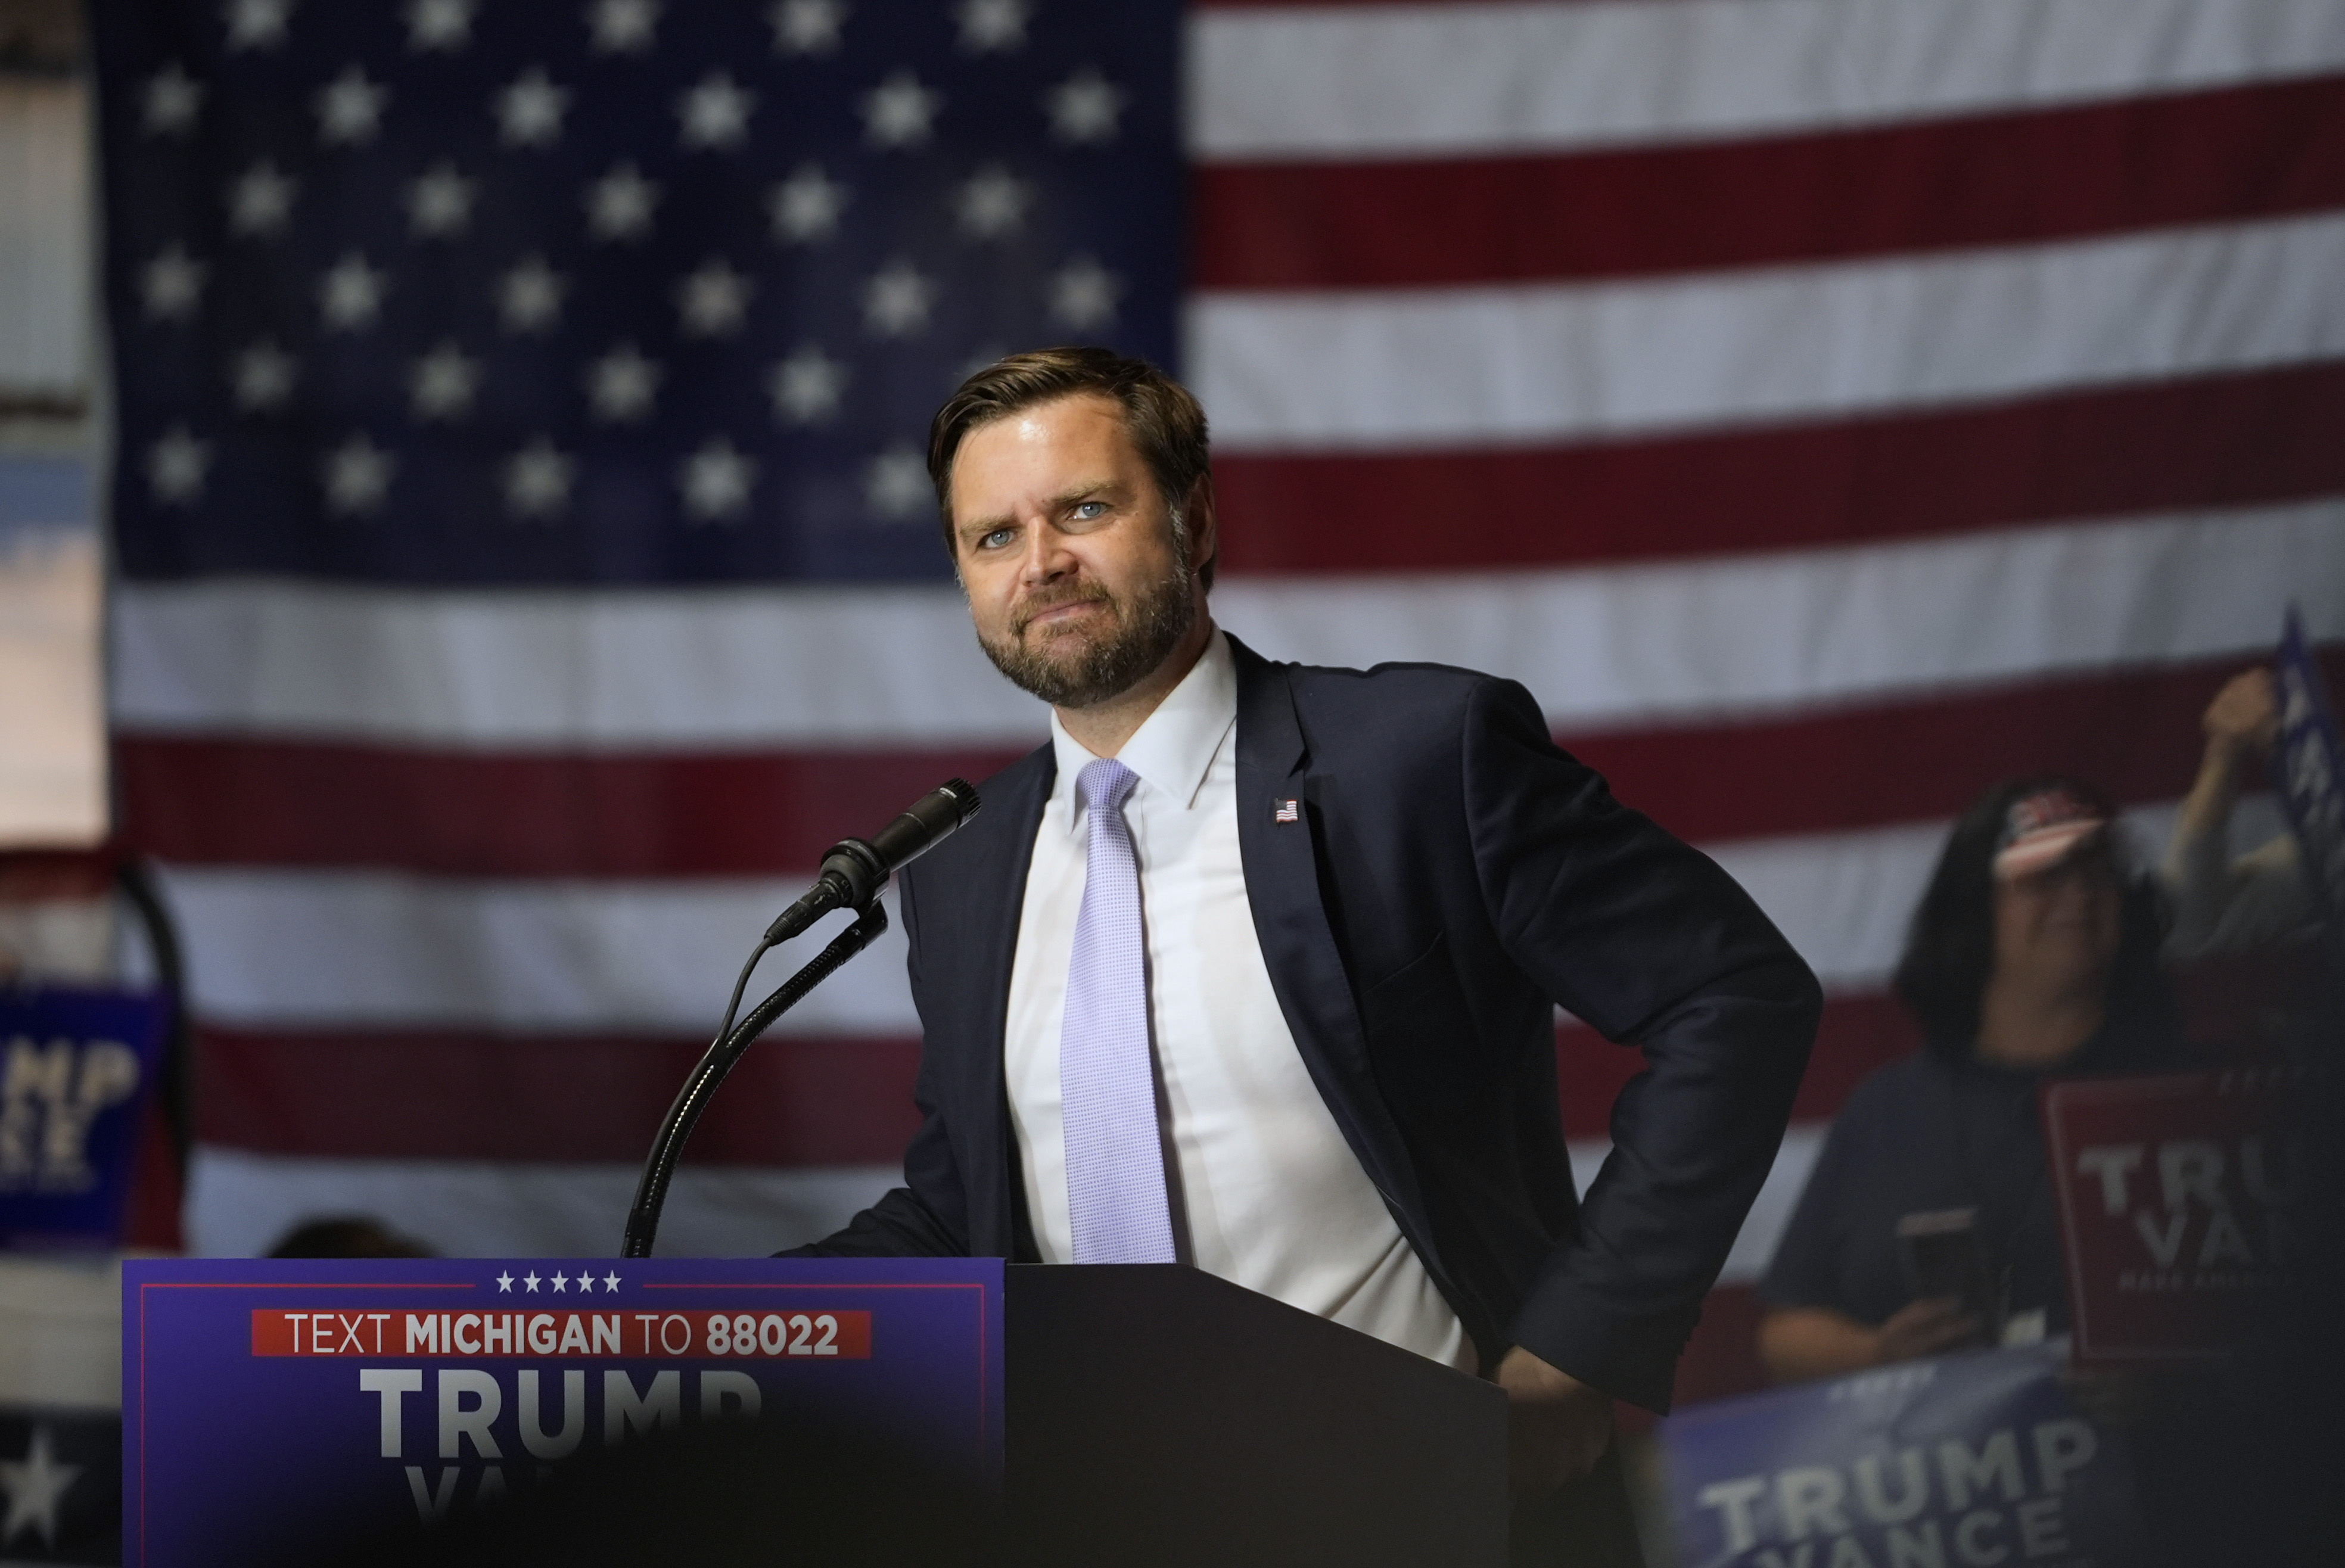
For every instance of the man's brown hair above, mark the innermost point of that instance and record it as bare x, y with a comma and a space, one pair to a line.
1165, 421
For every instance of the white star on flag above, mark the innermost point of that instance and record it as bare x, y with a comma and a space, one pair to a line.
1083, 294
610, 1282
715, 481
262, 376
585, 1281
261, 200
1083, 108
805, 206
619, 204
986, 25
622, 26
561, 1284
895, 486
257, 24
357, 474
713, 300
175, 466
438, 24
898, 111
528, 111
350, 109
807, 26
504, 1282
530, 1280
897, 300
350, 294
36, 1485
440, 384
171, 284
992, 202
621, 384
441, 203
537, 481
806, 387
716, 114
529, 297
171, 102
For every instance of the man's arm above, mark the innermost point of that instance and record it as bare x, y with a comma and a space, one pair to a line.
1650, 942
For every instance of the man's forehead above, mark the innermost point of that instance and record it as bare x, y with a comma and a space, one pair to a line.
1044, 452
1077, 418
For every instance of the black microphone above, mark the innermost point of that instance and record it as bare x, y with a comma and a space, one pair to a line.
855, 869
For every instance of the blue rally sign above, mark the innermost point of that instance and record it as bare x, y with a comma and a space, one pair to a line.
77, 1067
1975, 1459
274, 1402
2308, 765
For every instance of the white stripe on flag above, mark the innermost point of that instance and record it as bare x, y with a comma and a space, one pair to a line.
1551, 362
1434, 81
1598, 646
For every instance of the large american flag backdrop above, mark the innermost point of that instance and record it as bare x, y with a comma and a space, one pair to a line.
1824, 406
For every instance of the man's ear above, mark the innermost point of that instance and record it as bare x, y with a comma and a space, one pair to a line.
1204, 525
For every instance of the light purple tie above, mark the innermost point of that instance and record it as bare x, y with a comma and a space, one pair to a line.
1107, 1086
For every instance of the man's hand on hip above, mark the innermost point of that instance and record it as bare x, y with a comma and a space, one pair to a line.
1557, 1426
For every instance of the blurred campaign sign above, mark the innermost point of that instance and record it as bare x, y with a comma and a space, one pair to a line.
1978, 1458
75, 1071
273, 1403
2309, 766
2174, 1194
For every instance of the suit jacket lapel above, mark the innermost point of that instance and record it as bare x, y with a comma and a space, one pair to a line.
1298, 945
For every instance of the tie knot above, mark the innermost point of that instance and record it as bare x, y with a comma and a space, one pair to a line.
1104, 782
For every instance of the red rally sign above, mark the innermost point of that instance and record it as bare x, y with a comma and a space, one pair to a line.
2176, 1195
676, 1336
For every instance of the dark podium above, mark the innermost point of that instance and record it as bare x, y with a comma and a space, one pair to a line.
1157, 1414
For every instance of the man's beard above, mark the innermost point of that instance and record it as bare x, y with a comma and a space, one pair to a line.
1100, 664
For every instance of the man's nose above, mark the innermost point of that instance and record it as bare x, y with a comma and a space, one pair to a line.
1046, 556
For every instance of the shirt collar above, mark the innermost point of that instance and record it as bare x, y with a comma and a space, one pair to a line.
1174, 746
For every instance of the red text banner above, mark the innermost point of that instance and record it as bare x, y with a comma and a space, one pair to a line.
636, 1336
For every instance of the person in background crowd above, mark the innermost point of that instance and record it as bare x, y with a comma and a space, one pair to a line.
2034, 949
347, 1236
2222, 904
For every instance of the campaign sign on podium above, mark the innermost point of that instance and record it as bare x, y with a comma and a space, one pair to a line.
268, 1402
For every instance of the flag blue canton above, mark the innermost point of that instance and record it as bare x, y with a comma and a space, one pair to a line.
614, 291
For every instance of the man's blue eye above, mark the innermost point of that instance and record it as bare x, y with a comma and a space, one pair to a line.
999, 536
1089, 509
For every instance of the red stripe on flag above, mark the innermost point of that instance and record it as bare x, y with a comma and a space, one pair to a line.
2054, 174
2217, 441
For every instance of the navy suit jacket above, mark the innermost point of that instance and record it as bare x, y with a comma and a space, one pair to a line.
1455, 876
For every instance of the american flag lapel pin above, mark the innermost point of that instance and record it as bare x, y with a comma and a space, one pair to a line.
1287, 811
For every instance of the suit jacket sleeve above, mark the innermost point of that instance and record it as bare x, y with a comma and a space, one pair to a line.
928, 1215
1648, 941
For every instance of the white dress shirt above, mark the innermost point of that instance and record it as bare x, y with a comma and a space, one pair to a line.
1274, 1198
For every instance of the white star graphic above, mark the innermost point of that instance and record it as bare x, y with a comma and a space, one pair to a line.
257, 24
530, 1280
561, 1284
899, 112
716, 114
610, 1282
175, 466
585, 1281
350, 294
441, 203
504, 1282
529, 297
715, 481
1083, 107
622, 26
992, 202
713, 300
897, 300
36, 1484
805, 206
357, 474
350, 109
807, 26
529, 110
1083, 294
537, 481
896, 485
622, 384
619, 204
171, 284
806, 387
438, 24
262, 376
261, 200
986, 25
440, 384
170, 102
